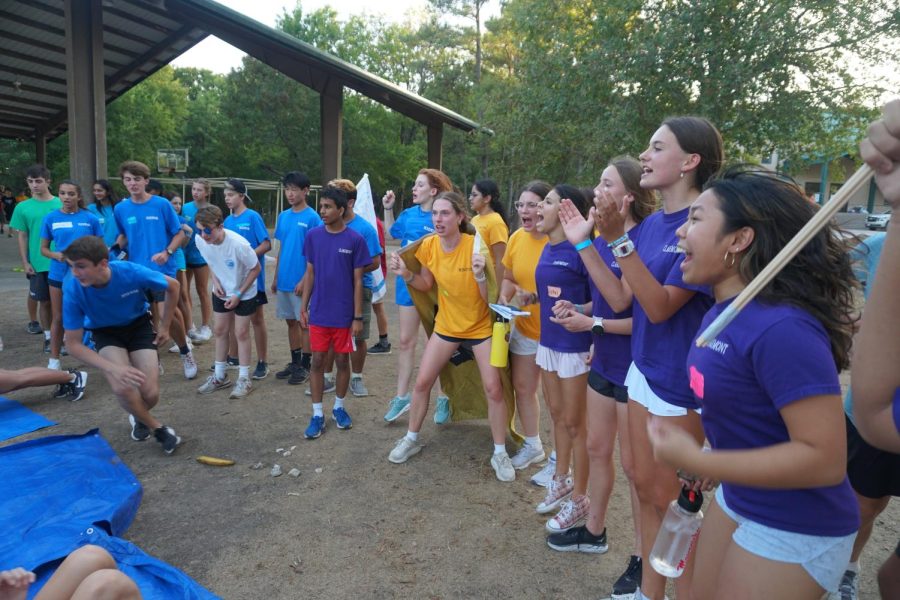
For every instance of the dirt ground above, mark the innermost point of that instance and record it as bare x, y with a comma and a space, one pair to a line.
352, 524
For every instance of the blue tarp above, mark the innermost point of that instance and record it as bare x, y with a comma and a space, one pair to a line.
59, 493
16, 420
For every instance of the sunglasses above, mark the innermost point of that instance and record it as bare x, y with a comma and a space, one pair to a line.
206, 231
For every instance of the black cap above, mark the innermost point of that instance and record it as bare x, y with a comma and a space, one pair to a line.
690, 500
233, 183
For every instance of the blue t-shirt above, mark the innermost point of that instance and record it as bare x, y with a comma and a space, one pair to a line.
191, 254
253, 229
107, 221
64, 228
334, 256
560, 275
612, 352
412, 224
659, 350
767, 358
370, 235
122, 300
149, 227
291, 230
178, 255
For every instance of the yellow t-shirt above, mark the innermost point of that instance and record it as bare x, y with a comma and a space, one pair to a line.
462, 312
492, 228
521, 258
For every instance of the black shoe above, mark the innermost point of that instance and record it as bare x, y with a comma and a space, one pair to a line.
626, 585
46, 346
63, 351
76, 388
262, 370
34, 327
382, 347
300, 375
578, 539
139, 431
166, 436
286, 372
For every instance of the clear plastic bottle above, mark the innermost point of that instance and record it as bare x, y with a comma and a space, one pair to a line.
677, 534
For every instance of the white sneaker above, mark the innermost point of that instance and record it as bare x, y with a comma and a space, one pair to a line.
190, 365
542, 478
175, 349
403, 450
503, 467
204, 334
242, 388
528, 456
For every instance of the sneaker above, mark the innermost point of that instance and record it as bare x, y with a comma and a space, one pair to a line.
212, 384
190, 365
542, 478
162, 369
442, 414
341, 418
627, 583
261, 371
139, 431
398, 406
528, 456
242, 388
63, 351
76, 388
46, 346
329, 386
286, 372
299, 375
34, 327
315, 429
578, 539
166, 436
231, 364
503, 467
358, 388
204, 334
193, 334
403, 450
382, 347
573, 512
558, 491
174, 349
849, 588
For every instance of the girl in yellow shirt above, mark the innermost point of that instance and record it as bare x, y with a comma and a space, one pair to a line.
489, 221
463, 319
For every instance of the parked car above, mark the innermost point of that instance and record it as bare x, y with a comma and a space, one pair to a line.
879, 221
858, 210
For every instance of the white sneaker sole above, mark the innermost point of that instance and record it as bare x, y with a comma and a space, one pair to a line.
403, 459
539, 458
543, 509
552, 529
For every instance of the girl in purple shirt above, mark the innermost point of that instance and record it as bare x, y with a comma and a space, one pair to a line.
682, 155
783, 521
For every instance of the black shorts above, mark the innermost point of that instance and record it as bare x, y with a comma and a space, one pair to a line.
137, 335
38, 287
873, 473
54, 283
245, 308
467, 343
261, 298
196, 266
605, 387
156, 296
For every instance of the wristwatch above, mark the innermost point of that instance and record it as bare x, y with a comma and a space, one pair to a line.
597, 328
357, 318
623, 249
169, 252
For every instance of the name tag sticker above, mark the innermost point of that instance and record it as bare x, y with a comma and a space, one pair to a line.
553, 291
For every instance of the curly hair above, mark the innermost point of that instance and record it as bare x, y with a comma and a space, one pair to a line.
437, 179
819, 279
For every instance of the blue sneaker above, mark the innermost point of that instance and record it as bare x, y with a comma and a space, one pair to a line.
341, 418
315, 429
442, 410
398, 406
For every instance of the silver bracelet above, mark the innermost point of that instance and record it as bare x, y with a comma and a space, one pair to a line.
482, 279
411, 277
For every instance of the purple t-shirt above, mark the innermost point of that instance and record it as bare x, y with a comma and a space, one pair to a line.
334, 256
767, 358
612, 352
659, 350
896, 408
560, 275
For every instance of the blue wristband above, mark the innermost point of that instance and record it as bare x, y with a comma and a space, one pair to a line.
582, 245
621, 240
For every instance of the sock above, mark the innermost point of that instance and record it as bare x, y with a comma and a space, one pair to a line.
306, 360
853, 567
355, 375
184, 349
231, 360
53, 363
220, 370
405, 396
412, 436
533, 442
553, 456
317, 409
297, 356
499, 448
46, 334
75, 376
338, 402
383, 338
243, 372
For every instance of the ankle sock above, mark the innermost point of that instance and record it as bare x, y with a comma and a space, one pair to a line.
338, 402
412, 436
317, 409
499, 448
220, 370
533, 442
244, 372
53, 363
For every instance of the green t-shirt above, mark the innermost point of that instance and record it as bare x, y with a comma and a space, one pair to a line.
28, 217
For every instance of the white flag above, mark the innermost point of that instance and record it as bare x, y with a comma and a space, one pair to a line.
365, 207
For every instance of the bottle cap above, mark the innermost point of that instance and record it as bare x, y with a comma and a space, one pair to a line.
690, 500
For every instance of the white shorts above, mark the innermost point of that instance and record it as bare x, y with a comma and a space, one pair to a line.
564, 364
522, 345
639, 391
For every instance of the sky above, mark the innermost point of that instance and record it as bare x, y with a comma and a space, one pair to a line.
216, 55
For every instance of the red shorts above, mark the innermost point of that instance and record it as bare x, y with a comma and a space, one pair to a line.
322, 338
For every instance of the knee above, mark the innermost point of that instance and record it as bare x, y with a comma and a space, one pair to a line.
92, 558
599, 447
242, 334
108, 584
318, 361
573, 429
342, 361
422, 386
220, 329
493, 391
407, 341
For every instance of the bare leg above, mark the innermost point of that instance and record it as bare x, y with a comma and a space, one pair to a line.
498, 416
202, 285
869, 508
56, 329
406, 348
342, 377
574, 392
31, 377
712, 544
184, 301
437, 353
88, 573
601, 439
46, 313
380, 318
627, 461
32, 309
526, 376
242, 333
562, 443
745, 576
260, 335
889, 577
136, 401
222, 325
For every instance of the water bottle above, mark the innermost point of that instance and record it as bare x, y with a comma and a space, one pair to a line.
677, 534
500, 343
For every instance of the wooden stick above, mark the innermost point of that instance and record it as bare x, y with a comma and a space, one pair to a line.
813, 227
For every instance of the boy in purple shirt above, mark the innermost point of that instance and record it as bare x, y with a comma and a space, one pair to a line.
336, 257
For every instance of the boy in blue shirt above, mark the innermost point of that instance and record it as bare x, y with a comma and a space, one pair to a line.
110, 299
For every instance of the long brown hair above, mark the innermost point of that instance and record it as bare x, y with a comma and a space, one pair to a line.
458, 203
629, 170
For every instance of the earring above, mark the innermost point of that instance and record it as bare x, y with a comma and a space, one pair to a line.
681, 175
729, 264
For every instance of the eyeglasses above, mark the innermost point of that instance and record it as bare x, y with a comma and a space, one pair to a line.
526, 205
206, 231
